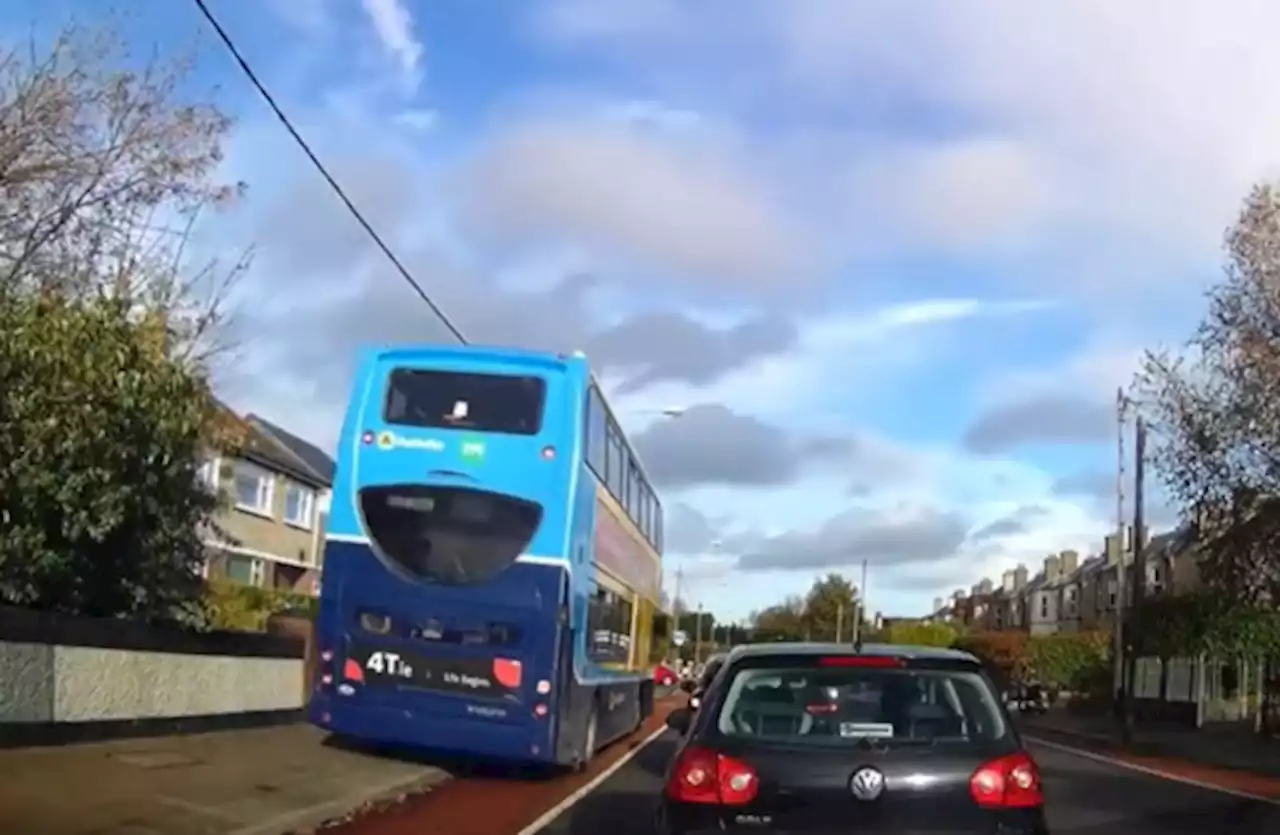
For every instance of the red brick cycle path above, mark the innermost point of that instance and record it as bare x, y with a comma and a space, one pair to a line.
488, 804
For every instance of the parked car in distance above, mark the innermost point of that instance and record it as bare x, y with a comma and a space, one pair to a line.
810, 738
665, 676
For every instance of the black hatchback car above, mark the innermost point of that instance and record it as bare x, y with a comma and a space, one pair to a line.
827, 739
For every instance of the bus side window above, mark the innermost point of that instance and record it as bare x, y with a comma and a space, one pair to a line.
597, 433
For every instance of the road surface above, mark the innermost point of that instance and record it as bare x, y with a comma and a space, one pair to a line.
1084, 797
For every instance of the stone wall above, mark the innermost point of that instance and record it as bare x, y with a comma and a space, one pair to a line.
68, 679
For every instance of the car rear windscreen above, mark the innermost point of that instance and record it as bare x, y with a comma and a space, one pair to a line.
455, 400
449, 535
845, 705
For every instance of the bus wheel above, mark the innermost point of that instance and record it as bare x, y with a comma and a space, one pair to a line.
588, 743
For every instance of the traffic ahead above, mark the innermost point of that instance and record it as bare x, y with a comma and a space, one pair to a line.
807, 738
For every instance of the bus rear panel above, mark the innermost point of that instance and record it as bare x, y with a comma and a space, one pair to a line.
446, 590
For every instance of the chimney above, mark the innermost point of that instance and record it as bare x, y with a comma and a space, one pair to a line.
1007, 581
957, 595
1111, 546
986, 586
1052, 568
1070, 562
937, 604
1019, 577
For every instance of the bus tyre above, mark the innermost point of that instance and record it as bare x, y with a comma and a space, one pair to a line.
588, 742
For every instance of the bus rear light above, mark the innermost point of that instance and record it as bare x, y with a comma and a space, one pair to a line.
326, 656
366, 438
548, 452
507, 672
540, 711
351, 671
326, 680
544, 687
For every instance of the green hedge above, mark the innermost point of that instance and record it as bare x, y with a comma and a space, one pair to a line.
231, 605
1074, 661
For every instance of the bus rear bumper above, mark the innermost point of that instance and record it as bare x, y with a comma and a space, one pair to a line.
528, 741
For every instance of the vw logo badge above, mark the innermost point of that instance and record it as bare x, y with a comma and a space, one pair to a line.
867, 783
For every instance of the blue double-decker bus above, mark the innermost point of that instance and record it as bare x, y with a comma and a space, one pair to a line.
492, 562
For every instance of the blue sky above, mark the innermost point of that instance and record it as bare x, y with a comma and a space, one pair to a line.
894, 257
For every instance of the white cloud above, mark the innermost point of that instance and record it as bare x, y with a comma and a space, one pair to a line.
1134, 126
394, 27
982, 193
683, 206
838, 354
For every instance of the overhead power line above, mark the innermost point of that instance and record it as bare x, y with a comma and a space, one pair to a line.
324, 172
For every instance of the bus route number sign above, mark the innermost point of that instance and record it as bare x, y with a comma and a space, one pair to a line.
388, 664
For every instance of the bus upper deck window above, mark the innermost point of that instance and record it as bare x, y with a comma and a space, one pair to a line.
502, 403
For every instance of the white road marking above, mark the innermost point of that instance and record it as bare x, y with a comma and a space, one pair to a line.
572, 800
1151, 772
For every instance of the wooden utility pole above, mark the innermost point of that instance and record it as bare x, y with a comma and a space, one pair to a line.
839, 621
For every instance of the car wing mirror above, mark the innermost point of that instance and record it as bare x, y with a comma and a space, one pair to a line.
679, 720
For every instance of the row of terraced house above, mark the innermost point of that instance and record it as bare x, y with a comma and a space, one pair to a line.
1068, 593
277, 489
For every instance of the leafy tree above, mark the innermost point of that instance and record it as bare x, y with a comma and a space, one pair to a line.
1070, 660
1215, 418
105, 329
919, 633
781, 622
830, 607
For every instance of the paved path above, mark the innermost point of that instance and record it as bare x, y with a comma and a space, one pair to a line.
259, 782
1085, 797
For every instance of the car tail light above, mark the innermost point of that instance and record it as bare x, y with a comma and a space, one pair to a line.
1006, 783
702, 776
877, 661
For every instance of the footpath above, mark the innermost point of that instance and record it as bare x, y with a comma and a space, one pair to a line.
265, 781
1230, 758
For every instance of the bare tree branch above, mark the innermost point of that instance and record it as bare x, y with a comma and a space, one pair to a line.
104, 173
1214, 411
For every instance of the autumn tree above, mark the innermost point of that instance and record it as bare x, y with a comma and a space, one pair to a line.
1213, 411
781, 622
107, 325
830, 608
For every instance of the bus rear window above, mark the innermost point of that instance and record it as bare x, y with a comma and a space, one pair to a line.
453, 536
500, 403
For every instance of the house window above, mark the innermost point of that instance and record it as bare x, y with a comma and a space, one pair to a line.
246, 570
1044, 605
1111, 594
299, 505
253, 488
